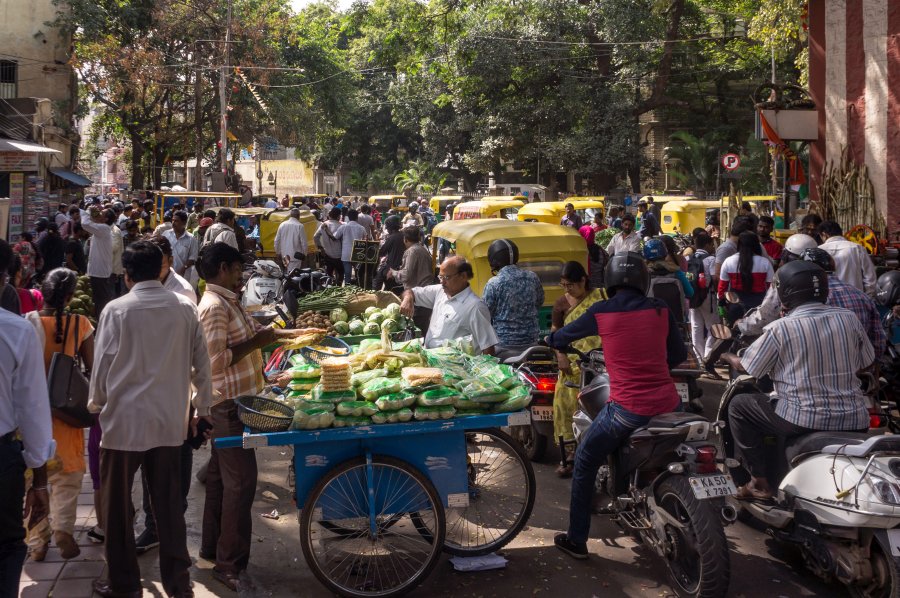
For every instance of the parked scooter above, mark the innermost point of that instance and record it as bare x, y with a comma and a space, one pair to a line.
666, 487
838, 502
264, 287
536, 367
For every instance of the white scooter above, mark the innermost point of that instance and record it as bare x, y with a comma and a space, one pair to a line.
838, 501
264, 287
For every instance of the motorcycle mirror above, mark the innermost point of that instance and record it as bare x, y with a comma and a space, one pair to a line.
721, 332
732, 297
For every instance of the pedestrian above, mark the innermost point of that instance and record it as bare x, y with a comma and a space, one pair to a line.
26, 439
62, 215
729, 247
52, 249
764, 231
29, 299
571, 218
366, 221
649, 222
590, 230
329, 247
271, 203
100, 258
169, 278
143, 404
234, 340
184, 246
703, 307
514, 296
748, 274
194, 217
390, 252
614, 220
223, 230
290, 240
809, 225
29, 256
627, 240
68, 334
165, 226
852, 263
68, 228
118, 249
413, 217
350, 232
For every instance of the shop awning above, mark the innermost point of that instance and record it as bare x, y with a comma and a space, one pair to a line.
74, 178
13, 145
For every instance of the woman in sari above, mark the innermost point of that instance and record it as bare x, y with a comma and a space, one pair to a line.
579, 296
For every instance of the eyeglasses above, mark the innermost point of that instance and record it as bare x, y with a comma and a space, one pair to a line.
443, 278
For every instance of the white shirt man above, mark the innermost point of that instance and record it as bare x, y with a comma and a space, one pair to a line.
290, 239
461, 315
330, 246
179, 285
852, 263
100, 258
624, 242
184, 249
61, 218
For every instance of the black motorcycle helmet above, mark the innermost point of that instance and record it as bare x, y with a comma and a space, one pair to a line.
887, 289
501, 253
627, 269
801, 282
819, 257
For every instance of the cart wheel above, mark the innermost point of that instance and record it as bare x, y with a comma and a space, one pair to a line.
357, 546
501, 495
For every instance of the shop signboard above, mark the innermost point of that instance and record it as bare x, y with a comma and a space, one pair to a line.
18, 161
16, 205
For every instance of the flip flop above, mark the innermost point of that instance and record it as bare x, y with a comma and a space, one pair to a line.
745, 493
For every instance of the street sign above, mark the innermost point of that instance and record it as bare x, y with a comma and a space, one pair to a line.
731, 161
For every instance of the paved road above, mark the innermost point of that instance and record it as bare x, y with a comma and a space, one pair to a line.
617, 567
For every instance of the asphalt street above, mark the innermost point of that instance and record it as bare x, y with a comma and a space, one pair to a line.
617, 565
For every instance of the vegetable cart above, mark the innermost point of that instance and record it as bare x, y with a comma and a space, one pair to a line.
378, 504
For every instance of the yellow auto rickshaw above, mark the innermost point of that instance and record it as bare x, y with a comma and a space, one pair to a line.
268, 226
683, 216
543, 249
164, 200
552, 212
489, 207
383, 203
768, 205
439, 203
317, 198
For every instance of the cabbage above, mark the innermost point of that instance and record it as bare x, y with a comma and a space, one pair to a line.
389, 325
376, 317
392, 310
342, 327
371, 328
356, 327
338, 314
370, 310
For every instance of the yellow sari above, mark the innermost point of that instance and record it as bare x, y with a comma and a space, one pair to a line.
565, 400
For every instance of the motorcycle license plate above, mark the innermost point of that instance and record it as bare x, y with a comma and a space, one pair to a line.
682, 389
542, 413
712, 486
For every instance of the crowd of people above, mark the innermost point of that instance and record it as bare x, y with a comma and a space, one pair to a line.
639, 297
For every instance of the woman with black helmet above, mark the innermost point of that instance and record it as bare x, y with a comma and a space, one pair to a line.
812, 356
641, 341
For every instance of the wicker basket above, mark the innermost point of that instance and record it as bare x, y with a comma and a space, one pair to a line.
315, 356
264, 415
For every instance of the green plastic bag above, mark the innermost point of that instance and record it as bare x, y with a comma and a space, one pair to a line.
344, 421
519, 398
360, 378
438, 397
356, 408
393, 417
311, 419
335, 396
310, 404
378, 387
395, 401
481, 391
424, 413
305, 372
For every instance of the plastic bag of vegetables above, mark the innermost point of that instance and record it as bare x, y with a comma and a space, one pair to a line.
335, 396
481, 391
395, 401
378, 387
465, 404
344, 421
311, 419
305, 372
361, 378
302, 385
438, 397
423, 412
500, 374
310, 404
356, 408
461, 413
519, 398
392, 417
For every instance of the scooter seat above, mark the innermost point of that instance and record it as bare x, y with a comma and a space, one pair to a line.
673, 420
535, 353
799, 448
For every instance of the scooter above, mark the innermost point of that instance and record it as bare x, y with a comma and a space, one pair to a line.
667, 487
838, 501
536, 367
264, 287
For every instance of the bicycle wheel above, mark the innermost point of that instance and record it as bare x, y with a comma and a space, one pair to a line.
501, 495
361, 546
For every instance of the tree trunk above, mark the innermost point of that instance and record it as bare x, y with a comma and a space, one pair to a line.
137, 158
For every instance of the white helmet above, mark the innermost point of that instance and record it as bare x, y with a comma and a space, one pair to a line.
799, 242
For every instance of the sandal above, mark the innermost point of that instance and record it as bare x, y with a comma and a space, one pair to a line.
748, 492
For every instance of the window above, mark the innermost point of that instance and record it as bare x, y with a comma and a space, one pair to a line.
8, 79
548, 272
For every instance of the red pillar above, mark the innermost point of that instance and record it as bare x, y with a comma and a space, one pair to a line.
817, 90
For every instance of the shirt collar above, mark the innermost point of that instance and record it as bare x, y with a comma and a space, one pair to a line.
225, 293
463, 294
147, 284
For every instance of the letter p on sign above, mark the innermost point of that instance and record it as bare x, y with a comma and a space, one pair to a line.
731, 161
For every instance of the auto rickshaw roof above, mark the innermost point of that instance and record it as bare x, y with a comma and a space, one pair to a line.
684, 205
491, 203
668, 198
754, 198
473, 237
553, 207
375, 197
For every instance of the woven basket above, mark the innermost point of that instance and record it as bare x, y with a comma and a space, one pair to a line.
329, 341
264, 415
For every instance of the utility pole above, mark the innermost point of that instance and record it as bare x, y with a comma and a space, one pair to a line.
198, 124
223, 100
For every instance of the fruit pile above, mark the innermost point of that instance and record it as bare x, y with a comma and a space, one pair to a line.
83, 303
312, 319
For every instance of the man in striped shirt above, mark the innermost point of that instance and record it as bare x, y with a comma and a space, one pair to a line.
812, 356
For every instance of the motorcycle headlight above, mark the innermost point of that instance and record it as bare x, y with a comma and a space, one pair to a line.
888, 492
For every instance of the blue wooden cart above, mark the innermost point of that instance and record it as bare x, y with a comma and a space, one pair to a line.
379, 503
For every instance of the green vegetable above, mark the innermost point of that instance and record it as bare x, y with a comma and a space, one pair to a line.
356, 327
327, 299
343, 421
392, 311
378, 387
338, 314
369, 311
390, 325
356, 408
342, 327
376, 317
431, 413
371, 328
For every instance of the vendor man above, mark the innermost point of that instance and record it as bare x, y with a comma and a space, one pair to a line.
457, 311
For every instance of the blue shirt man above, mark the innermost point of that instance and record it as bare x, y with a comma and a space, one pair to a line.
514, 297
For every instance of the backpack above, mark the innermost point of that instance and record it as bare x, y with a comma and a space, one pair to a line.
668, 288
696, 273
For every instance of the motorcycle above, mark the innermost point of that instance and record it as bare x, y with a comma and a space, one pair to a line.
667, 487
300, 282
838, 501
264, 286
536, 367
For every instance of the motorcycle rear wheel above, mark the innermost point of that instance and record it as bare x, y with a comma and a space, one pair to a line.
697, 559
886, 572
